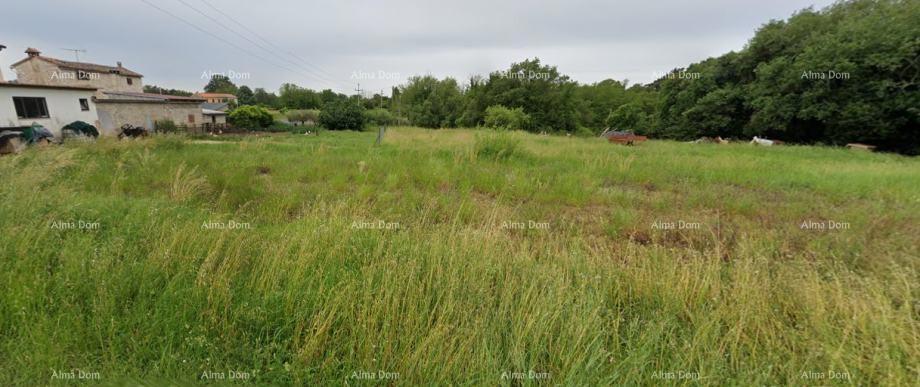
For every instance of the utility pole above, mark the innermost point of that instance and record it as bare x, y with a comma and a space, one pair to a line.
76, 52
383, 128
360, 92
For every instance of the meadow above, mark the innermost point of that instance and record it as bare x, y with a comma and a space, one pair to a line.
457, 257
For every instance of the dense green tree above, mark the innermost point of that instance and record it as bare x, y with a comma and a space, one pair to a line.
220, 84
431, 103
250, 117
292, 96
154, 89
595, 102
245, 96
379, 117
342, 114
327, 96
846, 73
547, 96
263, 98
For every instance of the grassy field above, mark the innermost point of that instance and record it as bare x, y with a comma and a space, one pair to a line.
458, 256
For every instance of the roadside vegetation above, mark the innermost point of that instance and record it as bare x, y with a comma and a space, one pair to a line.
456, 257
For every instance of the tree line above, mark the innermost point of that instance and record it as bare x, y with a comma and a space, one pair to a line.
845, 73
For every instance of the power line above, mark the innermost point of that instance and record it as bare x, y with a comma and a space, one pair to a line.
260, 37
215, 36
222, 25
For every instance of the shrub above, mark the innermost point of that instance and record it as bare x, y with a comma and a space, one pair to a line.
502, 118
342, 115
304, 116
500, 146
379, 116
584, 131
251, 117
631, 117
165, 126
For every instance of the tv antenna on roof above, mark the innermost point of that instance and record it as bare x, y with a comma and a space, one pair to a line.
76, 52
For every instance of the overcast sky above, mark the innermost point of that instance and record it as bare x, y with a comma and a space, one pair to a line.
339, 43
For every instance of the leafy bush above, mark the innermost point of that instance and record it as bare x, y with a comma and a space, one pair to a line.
379, 116
584, 131
500, 146
631, 117
304, 116
251, 117
502, 118
342, 115
165, 126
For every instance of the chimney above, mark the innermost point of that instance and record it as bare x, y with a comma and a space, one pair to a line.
2, 47
119, 64
31, 52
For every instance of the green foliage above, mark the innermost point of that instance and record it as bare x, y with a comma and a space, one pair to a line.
295, 97
165, 126
245, 96
502, 118
635, 117
154, 89
303, 116
431, 103
251, 117
327, 96
220, 84
379, 117
263, 98
595, 102
498, 146
846, 73
342, 115
547, 96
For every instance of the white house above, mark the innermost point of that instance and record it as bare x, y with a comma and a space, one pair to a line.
50, 106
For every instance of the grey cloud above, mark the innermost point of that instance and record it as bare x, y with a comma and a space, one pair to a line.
589, 40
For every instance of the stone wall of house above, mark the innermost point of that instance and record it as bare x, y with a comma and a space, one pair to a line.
216, 119
113, 115
39, 72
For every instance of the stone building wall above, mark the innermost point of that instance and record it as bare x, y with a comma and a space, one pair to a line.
113, 115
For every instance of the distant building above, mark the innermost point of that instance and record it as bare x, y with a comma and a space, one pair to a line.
217, 97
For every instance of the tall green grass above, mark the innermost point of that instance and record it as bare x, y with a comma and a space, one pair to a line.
309, 260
